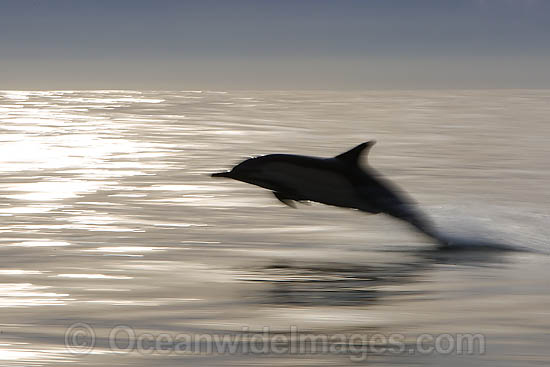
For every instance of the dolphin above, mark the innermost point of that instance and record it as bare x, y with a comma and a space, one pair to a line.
339, 181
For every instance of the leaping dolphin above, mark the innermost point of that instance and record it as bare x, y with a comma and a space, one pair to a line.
338, 181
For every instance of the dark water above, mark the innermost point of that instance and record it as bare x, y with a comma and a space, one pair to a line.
109, 218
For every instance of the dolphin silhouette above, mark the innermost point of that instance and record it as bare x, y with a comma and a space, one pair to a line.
338, 181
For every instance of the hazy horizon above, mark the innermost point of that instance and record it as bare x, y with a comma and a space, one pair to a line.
284, 45
297, 89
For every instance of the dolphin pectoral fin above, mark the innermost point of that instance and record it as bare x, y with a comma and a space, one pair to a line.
284, 199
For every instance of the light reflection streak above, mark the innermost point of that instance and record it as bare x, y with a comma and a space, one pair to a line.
19, 272
57, 130
122, 249
41, 244
29, 295
29, 209
92, 276
54, 190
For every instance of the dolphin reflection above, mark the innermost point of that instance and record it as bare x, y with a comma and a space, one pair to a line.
307, 283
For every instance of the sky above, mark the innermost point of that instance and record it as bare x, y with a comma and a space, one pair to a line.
274, 44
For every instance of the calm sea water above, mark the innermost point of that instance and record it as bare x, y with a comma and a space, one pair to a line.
109, 218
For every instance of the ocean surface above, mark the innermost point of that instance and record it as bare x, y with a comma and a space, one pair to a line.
119, 249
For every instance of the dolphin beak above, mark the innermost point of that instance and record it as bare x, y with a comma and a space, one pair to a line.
222, 174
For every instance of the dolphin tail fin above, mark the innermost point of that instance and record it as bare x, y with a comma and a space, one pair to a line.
352, 155
422, 224
419, 221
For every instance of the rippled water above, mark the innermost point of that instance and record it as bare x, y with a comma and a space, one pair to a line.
109, 218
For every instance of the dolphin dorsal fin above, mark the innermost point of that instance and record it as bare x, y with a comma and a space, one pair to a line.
352, 155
